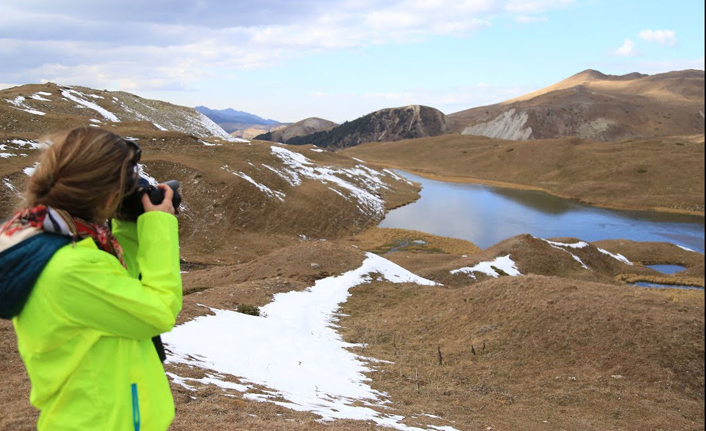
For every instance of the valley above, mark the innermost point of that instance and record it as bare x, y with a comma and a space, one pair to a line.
291, 282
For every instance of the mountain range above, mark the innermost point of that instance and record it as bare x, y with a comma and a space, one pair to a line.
231, 120
589, 105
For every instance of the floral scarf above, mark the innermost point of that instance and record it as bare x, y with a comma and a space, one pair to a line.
32, 221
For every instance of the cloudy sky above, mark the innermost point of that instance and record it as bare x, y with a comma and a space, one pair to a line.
340, 59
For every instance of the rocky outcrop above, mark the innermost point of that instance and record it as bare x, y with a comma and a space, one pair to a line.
392, 124
508, 125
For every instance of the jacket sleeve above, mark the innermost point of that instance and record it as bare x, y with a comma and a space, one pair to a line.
126, 234
97, 292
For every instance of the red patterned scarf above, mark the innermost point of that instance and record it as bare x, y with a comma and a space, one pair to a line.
29, 222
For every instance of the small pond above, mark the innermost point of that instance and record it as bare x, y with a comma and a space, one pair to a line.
664, 286
667, 269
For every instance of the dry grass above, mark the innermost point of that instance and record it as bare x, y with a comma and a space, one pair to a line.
665, 174
382, 240
550, 353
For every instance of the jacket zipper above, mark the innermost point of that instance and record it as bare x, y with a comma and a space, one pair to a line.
135, 408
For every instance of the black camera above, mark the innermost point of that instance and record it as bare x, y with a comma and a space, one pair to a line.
132, 208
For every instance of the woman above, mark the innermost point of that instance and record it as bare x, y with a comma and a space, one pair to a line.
85, 302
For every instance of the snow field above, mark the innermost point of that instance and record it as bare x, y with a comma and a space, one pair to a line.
293, 349
503, 263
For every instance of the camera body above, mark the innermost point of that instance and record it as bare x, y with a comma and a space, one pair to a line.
132, 208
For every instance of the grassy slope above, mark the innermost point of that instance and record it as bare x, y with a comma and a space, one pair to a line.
665, 174
577, 355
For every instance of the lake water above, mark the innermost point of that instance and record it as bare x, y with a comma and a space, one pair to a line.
486, 215
667, 269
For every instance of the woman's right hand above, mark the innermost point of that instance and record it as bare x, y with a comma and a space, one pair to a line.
166, 206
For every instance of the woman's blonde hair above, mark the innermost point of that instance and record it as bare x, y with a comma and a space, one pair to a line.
80, 171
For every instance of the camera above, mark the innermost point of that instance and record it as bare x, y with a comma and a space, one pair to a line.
132, 208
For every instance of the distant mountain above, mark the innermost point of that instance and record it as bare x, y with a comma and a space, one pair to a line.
231, 120
391, 124
597, 106
300, 128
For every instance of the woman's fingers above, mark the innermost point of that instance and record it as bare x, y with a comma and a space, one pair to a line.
166, 205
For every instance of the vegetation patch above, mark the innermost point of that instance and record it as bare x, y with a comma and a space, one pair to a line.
252, 310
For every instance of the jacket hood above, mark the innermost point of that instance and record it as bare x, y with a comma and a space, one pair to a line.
20, 267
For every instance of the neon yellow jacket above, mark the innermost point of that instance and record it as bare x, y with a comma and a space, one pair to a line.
85, 332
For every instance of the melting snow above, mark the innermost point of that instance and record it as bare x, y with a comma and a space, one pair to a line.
685, 248
6, 155
298, 166
158, 126
10, 186
580, 244
29, 171
32, 144
295, 350
77, 97
560, 245
317, 150
617, 256
38, 96
503, 263
19, 103
143, 173
279, 195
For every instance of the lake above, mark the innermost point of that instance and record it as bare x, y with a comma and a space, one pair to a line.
486, 215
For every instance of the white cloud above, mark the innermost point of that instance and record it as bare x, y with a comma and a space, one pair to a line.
171, 43
530, 19
535, 6
663, 37
627, 50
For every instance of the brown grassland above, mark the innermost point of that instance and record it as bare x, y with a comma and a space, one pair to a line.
665, 174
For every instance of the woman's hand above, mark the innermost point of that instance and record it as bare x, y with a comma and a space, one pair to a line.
166, 206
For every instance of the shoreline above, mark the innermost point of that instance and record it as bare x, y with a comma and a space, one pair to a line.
518, 186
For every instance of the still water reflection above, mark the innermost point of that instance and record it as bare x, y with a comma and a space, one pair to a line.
486, 215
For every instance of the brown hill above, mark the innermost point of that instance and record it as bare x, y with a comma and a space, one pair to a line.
300, 128
664, 173
261, 194
593, 105
32, 110
250, 131
385, 125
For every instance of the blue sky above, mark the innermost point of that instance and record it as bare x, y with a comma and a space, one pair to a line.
339, 60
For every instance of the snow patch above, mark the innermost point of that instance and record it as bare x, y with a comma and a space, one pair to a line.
7, 183
560, 246
29, 171
616, 256
686, 248
19, 103
503, 263
143, 173
580, 244
37, 96
276, 194
297, 166
78, 98
295, 350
